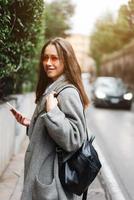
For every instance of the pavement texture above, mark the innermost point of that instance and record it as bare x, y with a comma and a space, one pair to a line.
11, 182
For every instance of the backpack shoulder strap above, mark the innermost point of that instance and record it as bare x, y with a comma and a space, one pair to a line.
64, 87
84, 197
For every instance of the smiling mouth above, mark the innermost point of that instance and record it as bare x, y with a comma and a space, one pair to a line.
50, 68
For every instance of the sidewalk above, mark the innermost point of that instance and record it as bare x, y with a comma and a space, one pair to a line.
12, 180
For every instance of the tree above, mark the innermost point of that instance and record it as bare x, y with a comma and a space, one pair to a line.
111, 35
20, 33
131, 13
102, 38
124, 26
57, 18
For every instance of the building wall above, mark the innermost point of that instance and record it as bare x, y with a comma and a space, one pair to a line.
120, 64
81, 46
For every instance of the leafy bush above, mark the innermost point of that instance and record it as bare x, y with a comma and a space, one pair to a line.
21, 32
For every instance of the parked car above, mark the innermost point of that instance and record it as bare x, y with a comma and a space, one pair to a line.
111, 92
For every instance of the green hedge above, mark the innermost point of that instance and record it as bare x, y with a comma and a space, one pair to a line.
21, 33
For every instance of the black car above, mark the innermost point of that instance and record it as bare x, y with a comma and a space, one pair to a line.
111, 92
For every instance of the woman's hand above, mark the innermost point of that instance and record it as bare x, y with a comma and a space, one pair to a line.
51, 101
20, 118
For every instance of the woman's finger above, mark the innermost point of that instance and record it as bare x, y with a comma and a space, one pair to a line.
19, 118
13, 112
54, 93
17, 115
22, 120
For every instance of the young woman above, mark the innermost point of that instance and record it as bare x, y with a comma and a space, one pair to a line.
57, 120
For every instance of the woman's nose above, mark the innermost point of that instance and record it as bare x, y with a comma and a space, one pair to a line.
49, 62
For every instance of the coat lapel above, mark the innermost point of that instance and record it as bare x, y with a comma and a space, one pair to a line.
55, 86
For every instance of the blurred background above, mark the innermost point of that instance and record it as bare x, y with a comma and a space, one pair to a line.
102, 35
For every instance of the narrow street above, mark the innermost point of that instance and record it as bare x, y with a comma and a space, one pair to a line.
115, 137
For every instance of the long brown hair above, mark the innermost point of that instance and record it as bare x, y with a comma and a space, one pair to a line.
72, 68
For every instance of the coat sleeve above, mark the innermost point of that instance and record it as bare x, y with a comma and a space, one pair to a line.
66, 123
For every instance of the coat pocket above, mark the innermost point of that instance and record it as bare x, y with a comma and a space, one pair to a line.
42, 191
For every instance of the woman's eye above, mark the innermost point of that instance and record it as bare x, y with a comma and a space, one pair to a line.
54, 58
45, 58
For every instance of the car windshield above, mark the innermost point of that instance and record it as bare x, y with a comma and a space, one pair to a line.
110, 85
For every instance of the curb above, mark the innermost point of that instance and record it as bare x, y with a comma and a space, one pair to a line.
108, 181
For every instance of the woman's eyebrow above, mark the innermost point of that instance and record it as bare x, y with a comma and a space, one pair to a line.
45, 54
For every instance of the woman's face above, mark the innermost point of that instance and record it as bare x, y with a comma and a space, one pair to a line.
52, 64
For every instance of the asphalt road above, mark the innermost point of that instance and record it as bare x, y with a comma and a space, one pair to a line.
114, 130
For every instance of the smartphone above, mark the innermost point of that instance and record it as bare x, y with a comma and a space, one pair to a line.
12, 107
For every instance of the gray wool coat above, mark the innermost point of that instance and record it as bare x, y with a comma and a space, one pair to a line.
63, 125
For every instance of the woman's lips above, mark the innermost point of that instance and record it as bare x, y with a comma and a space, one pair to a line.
51, 68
